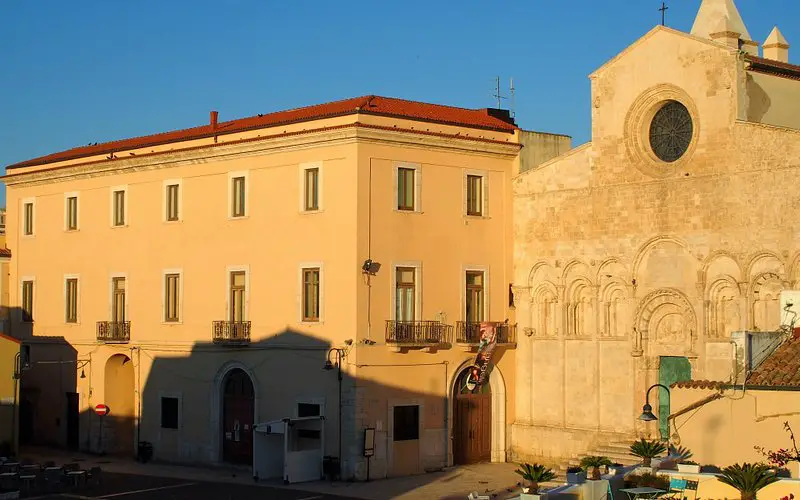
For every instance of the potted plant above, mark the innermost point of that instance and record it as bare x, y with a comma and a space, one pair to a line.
689, 466
592, 465
646, 481
532, 475
576, 475
647, 450
747, 478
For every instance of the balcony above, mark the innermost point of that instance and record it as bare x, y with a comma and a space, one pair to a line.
231, 332
468, 334
427, 335
114, 332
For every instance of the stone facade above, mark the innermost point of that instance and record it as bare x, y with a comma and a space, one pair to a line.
622, 259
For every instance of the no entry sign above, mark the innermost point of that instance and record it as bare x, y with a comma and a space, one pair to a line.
101, 410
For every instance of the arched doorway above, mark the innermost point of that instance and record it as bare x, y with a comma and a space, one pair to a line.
472, 422
238, 405
118, 427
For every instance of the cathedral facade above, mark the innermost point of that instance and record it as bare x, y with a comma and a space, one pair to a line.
639, 253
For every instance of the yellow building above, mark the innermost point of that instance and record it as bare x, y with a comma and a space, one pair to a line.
9, 393
638, 254
203, 277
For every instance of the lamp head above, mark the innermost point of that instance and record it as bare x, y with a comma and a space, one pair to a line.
83, 373
647, 413
328, 365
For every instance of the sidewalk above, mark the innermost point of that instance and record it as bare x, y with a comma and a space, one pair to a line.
495, 480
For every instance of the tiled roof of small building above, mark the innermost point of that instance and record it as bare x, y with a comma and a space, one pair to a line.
5, 252
777, 68
781, 368
697, 384
485, 119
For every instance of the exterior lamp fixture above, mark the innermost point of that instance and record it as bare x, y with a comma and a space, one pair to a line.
83, 373
647, 410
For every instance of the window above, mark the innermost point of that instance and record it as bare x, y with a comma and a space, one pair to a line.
474, 296
238, 196
405, 293
405, 188
172, 283
311, 189
311, 294
237, 313
118, 300
406, 423
172, 202
72, 213
71, 294
474, 195
169, 413
119, 208
27, 300
308, 410
27, 223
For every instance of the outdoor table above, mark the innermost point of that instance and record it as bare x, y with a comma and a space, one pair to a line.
645, 492
76, 476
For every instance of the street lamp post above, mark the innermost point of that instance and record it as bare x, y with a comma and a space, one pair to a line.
647, 410
339, 356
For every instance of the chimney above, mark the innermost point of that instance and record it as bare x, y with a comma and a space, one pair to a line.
214, 116
776, 47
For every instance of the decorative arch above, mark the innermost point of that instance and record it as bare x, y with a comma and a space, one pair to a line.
497, 386
545, 305
575, 264
765, 296
541, 265
794, 270
648, 245
614, 306
717, 256
609, 263
580, 307
666, 316
760, 257
217, 393
724, 315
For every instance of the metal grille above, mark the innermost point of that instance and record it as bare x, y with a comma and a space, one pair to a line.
112, 332
470, 332
417, 332
231, 332
671, 131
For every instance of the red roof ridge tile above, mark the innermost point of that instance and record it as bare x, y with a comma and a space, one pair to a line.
385, 106
697, 384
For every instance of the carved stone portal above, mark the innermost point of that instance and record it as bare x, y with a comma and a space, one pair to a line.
666, 317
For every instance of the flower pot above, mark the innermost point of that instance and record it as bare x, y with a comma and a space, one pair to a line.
595, 474
693, 469
576, 477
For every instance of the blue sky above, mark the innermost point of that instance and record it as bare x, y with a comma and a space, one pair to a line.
93, 71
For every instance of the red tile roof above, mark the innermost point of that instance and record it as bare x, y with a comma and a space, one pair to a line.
5, 252
781, 368
777, 68
485, 119
697, 384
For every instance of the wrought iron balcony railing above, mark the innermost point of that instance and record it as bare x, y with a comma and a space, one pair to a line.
470, 332
231, 332
422, 333
114, 332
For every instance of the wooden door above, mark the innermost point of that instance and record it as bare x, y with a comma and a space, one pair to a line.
237, 419
671, 369
472, 428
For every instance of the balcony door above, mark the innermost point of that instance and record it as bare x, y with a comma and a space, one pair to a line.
405, 294
118, 300
475, 303
237, 313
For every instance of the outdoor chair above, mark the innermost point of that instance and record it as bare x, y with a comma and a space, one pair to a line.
95, 475
676, 488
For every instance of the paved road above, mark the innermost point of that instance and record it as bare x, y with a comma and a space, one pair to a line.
131, 487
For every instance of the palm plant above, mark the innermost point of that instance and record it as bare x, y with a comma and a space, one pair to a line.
533, 475
594, 462
647, 450
748, 478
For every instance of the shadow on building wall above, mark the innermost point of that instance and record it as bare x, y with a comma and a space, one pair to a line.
199, 404
48, 406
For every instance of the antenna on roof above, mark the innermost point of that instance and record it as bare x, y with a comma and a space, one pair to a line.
497, 95
512, 91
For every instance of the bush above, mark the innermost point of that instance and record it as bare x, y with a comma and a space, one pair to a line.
647, 481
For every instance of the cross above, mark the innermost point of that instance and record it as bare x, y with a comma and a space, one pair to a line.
663, 10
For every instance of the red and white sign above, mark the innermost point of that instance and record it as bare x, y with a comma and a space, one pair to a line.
102, 410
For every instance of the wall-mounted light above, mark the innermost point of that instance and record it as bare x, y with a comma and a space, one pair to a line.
371, 267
